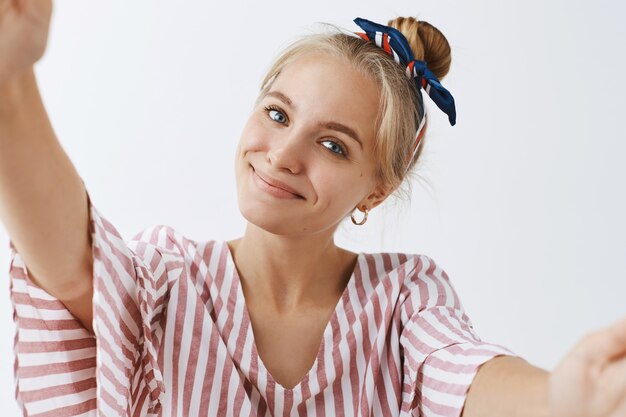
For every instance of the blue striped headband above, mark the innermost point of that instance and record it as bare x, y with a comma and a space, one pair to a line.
396, 45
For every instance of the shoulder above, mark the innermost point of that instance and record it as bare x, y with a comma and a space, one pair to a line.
414, 266
171, 244
159, 235
419, 277
169, 255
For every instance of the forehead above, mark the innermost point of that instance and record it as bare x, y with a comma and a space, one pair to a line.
324, 88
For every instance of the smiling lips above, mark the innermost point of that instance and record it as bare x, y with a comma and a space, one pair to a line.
274, 187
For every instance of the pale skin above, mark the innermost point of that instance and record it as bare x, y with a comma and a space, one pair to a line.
288, 243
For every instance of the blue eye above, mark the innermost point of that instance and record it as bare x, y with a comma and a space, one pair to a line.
277, 115
335, 147
272, 109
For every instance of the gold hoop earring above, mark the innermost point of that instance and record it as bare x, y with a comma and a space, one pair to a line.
363, 220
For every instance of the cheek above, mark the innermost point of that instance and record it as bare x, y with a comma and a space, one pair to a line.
252, 136
339, 190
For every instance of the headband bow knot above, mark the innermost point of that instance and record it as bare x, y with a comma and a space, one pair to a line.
397, 46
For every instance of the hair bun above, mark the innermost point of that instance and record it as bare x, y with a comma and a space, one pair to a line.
427, 42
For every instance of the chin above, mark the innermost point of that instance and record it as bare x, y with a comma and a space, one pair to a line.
280, 222
271, 221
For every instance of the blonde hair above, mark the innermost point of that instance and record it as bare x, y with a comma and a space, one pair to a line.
399, 113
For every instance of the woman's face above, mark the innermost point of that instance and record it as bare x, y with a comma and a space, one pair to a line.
304, 159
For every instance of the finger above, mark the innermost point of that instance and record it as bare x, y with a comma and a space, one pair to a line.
604, 345
4, 6
620, 411
610, 386
36, 8
617, 338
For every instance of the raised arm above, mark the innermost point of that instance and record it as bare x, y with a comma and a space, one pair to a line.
43, 202
590, 381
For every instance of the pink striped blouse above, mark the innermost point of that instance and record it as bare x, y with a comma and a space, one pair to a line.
173, 338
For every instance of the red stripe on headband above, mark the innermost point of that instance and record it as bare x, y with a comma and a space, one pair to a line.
386, 46
411, 65
364, 36
409, 157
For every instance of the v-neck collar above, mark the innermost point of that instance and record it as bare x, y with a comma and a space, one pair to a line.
240, 302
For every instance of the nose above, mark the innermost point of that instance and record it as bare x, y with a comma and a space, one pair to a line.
287, 152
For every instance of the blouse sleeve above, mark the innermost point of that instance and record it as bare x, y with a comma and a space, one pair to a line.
442, 352
60, 367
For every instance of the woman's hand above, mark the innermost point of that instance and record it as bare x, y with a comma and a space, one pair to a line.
591, 380
24, 28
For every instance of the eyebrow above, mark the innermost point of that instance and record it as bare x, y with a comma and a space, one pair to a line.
339, 127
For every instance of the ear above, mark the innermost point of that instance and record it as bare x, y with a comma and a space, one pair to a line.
377, 196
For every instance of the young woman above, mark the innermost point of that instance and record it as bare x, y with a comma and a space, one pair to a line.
280, 321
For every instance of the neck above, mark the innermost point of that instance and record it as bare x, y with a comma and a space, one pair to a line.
291, 272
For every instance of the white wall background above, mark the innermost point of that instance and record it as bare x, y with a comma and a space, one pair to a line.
525, 208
